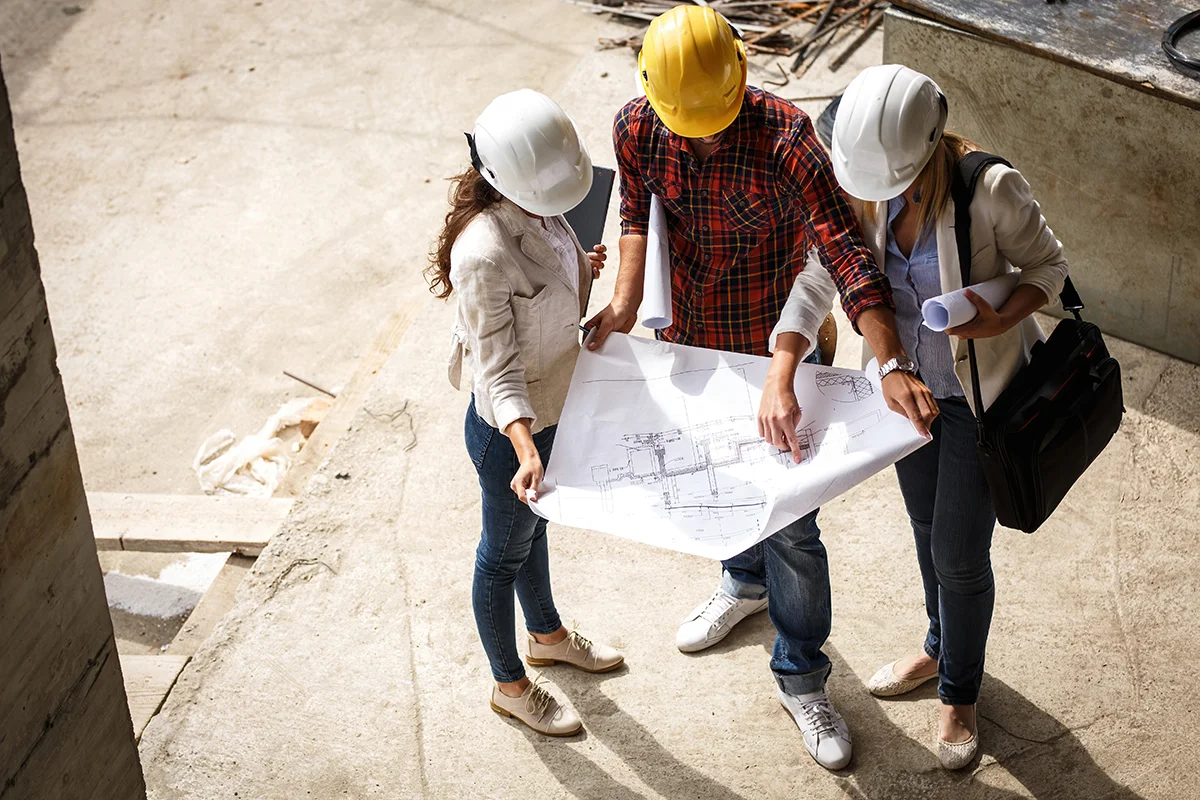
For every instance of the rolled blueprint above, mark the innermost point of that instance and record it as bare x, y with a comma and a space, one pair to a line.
656, 298
953, 308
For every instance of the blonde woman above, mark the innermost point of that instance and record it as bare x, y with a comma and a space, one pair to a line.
522, 283
891, 152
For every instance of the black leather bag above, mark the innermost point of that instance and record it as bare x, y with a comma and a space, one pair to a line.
1057, 414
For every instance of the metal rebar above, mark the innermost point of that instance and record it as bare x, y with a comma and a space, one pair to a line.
309, 384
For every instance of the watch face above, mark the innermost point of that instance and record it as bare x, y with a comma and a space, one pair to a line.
905, 363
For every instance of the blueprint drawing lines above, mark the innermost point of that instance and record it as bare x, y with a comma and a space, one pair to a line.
659, 443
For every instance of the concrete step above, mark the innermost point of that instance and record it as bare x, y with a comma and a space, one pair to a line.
185, 523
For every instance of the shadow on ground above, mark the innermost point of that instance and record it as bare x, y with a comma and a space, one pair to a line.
1038, 751
29, 29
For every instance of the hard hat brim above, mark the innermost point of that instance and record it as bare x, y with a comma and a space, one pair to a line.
873, 189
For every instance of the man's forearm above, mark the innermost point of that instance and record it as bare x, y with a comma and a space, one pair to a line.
631, 273
878, 327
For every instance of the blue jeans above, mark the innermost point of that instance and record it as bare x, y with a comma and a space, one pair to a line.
790, 567
950, 507
512, 551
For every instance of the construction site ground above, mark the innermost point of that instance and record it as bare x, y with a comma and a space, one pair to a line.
224, 191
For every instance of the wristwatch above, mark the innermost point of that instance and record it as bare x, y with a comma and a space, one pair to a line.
902, 363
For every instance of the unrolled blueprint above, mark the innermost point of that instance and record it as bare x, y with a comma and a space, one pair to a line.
659, 443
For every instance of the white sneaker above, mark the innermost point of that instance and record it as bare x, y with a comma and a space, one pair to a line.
714, 619
539, 707
826, 736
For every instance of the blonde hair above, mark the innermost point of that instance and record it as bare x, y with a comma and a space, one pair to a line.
933, 184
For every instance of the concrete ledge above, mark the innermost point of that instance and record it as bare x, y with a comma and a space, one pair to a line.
185, 523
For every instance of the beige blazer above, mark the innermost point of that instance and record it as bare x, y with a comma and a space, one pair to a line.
517, 322
1007, 231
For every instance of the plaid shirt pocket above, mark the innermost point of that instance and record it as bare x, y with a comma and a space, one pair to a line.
748, 211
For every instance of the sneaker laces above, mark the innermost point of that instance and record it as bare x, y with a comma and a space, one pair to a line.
718, 606
539, 698
819, 715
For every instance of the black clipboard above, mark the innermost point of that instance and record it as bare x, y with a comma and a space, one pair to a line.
587, 218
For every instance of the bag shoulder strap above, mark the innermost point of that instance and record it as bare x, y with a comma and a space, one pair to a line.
962, 190
967, 173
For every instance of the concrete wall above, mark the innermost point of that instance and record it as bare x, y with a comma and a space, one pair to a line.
1115, 170
65, 731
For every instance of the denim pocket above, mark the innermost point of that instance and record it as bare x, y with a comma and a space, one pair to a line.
478, 435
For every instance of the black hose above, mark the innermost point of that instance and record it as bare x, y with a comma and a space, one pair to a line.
1171, 36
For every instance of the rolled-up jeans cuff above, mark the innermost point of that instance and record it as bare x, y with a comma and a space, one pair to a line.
742, 591
965, 700
804, 684
930, 650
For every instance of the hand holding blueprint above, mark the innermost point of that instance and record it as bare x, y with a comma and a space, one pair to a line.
656, 300
659, 443
953, 308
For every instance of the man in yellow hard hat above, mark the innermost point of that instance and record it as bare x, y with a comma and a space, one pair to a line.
748, 193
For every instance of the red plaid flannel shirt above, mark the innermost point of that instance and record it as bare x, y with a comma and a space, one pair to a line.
741, 224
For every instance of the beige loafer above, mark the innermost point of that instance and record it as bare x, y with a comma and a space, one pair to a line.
885, 683
576, 650
957, 755
539, 707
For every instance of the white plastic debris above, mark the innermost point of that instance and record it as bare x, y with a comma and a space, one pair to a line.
254, 465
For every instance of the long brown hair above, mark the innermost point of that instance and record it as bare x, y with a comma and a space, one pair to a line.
933, 183
469, 195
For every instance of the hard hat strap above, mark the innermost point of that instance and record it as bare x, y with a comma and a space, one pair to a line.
475, 160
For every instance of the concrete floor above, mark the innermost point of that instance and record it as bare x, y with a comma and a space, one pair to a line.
226, 190
350, 666
203, 226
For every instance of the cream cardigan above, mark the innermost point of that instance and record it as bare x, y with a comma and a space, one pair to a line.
517, 322
1007, 231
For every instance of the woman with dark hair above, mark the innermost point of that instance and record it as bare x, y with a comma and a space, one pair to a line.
522, 283
891, 151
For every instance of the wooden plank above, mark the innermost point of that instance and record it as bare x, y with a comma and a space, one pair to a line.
148, 681
186, 523
1118, 39
213, 606
348, 401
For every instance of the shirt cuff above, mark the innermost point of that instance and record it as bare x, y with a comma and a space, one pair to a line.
1051, 288
635, 228
509, 411
856, 312
805, 329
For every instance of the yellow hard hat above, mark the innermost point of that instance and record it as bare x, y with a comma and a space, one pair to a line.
693, 70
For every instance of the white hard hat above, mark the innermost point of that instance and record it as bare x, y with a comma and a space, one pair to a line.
527, 148
888, 124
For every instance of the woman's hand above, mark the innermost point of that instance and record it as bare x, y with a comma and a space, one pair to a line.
992, 322
596, 257
987, 323
528, 478
529, 475
779, 416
